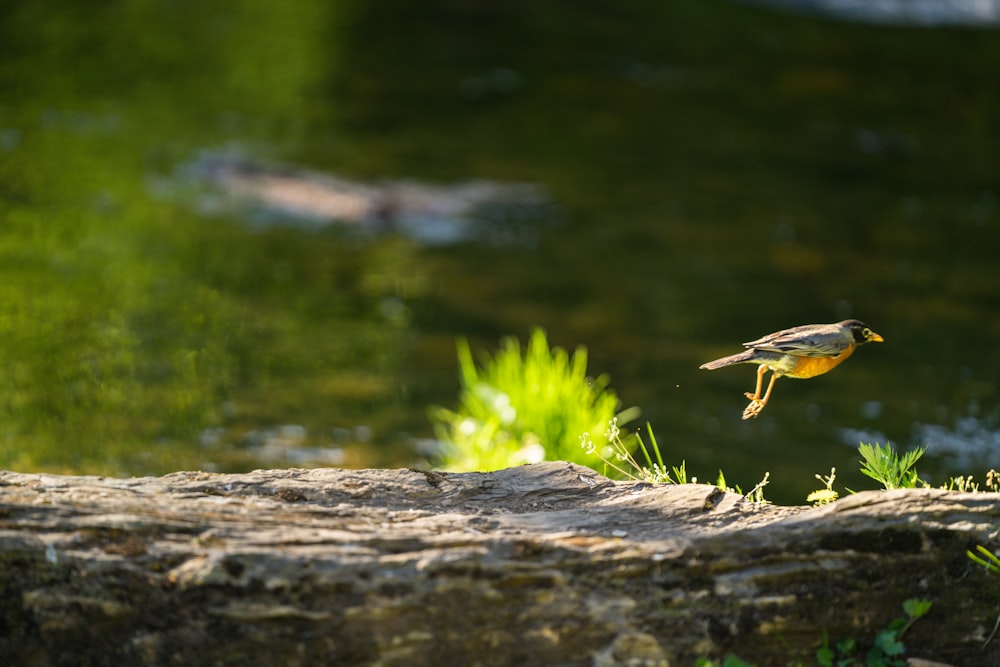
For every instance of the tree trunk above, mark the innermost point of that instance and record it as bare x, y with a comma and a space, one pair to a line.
547, 564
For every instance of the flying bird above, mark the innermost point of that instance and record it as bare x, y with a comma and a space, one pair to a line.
799, 352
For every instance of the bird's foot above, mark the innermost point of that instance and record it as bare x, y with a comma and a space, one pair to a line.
752, 410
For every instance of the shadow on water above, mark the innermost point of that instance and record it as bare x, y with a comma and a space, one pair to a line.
718, 171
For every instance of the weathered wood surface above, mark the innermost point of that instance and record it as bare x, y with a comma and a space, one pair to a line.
548, 564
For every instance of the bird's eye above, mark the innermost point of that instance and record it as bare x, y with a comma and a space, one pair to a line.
866, 332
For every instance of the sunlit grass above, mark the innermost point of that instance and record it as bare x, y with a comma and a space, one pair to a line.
519, 408
623, 458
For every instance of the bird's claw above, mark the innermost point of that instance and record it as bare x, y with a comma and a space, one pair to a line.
752, 410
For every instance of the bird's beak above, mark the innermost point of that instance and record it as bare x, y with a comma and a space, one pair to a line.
875, 338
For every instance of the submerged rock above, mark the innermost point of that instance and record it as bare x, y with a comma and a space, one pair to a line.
899, 12
432, 214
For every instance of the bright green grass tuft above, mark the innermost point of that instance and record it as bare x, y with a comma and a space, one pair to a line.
519, 408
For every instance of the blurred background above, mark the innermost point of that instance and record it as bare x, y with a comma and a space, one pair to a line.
248, 234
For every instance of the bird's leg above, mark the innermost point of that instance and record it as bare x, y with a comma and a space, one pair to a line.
755, 396
756, 402
767, 394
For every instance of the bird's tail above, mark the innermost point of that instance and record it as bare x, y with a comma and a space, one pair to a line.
738, 358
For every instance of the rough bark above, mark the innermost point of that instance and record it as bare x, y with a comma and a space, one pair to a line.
548, 564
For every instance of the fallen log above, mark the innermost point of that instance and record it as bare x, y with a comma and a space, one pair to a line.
545, 564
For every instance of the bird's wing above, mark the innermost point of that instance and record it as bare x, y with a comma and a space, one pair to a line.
807, 341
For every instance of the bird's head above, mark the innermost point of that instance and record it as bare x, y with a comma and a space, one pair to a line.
862, 332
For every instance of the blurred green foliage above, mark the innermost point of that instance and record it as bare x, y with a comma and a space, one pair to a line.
516, 409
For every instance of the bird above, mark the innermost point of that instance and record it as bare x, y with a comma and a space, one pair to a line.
800, 352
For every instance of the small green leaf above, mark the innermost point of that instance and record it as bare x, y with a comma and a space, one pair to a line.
897, 624
888, 643
847, 647
875, 658
822, 497
916, 608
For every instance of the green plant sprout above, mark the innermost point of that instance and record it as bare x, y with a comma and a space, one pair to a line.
658, 467
890, 469
991, 562
967, 484
681, 473
756, 494
619, 457
827, 495
893, 471
986, 558
886, 651
962, 484
720, 482
516, 409
887, 648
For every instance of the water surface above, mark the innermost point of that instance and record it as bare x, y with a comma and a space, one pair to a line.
716, 171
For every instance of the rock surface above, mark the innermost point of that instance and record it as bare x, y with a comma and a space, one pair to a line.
547, 564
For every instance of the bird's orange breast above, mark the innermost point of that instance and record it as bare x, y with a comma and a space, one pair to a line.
808, 367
